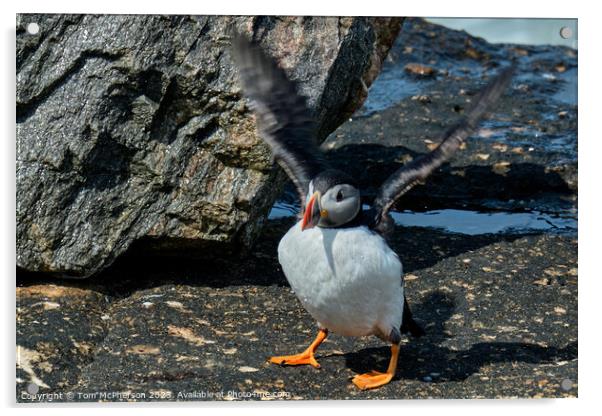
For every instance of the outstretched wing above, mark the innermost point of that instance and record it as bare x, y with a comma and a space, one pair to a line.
282, 116
420, 168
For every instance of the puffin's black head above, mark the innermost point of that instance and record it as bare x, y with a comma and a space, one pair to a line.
333, 200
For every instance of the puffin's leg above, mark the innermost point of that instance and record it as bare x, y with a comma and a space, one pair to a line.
375, 378
306, 357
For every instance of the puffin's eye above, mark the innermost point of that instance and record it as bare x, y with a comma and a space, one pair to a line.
339, 196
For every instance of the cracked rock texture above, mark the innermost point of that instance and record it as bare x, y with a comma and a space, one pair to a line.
134, 128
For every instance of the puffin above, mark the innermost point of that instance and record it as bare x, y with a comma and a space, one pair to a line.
336, 257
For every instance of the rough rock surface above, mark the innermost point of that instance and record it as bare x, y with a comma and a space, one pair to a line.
134, 126
500, 314
58, 329
523, 157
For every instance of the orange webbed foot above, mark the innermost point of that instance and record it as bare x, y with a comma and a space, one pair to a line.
372, 380
306, 357
375, 379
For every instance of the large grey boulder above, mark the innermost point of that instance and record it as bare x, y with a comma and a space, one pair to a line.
134, 128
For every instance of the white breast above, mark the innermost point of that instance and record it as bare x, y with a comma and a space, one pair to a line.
348, 279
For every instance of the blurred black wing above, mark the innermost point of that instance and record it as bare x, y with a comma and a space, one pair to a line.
406, 177
282, 116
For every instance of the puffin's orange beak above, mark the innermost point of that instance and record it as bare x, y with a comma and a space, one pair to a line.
311, 217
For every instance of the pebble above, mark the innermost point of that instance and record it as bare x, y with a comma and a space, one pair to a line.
419, 69
517, 150
501, 167
424, 99
544, 281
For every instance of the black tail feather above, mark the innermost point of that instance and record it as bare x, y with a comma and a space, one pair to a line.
408, 324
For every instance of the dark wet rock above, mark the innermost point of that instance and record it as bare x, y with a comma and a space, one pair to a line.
132, 127
523, 157
198, 328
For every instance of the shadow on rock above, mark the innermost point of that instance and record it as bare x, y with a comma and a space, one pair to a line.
418, 248
459, 184
426, 359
